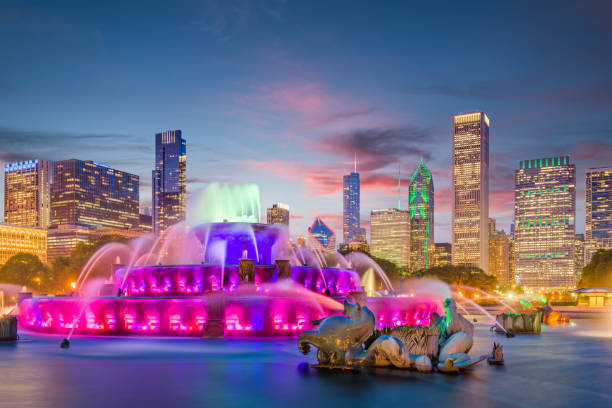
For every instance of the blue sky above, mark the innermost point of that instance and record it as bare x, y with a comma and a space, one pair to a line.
283, 93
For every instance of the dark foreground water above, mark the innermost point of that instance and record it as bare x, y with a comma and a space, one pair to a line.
569, 366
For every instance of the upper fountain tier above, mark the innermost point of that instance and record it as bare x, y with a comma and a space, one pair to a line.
226, 243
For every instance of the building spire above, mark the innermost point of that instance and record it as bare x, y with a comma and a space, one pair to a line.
399, 188
355, 162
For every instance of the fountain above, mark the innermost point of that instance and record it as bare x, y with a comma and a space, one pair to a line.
227, 275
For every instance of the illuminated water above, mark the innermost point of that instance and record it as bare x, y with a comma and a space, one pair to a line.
556, 368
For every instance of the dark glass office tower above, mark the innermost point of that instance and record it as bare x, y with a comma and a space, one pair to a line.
169, 180
351, 231
93, 194
598, 214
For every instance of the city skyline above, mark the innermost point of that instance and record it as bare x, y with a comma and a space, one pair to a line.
291, 120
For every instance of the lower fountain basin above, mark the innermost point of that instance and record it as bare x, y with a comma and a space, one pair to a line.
265, 314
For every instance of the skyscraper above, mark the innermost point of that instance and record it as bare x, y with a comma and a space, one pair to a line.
92, 194
350, 215
390, 235
470, 190
278, 214
499, 247
322, 237
27, 196
598, 214
544, 229
169, 180
421, 206
442, 254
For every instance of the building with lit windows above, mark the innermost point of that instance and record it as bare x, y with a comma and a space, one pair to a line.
278, 214
351, 231
598, 211
421, 207
146, 223
95, 195
27, 196
499, 247
578, 256
390, 235
544, 223
442, 254
321, 236
470, 158
169, 180
15, 239
64, 238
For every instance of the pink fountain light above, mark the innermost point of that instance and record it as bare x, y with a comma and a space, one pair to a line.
173, 300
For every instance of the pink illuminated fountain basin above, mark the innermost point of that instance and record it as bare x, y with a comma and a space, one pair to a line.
175, 300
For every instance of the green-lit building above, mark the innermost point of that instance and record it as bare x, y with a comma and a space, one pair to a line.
421, 207
544, 223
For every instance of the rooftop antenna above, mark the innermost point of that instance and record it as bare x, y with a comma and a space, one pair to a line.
399, 188
355, 162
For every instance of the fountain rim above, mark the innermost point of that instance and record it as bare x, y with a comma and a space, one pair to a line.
226, 265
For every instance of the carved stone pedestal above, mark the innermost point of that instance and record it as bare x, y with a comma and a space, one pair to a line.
215, 315
246, 270
283, 269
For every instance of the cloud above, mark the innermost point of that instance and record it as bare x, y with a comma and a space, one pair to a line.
328, 120
17, 144
377, 148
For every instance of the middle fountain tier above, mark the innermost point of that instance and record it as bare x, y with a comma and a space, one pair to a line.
249, 280
235, 253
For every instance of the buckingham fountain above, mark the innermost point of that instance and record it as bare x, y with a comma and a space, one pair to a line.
233, 276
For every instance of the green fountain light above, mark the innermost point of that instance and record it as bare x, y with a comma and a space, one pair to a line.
228, 203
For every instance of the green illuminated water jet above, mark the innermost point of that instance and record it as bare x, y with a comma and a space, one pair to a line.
228, 203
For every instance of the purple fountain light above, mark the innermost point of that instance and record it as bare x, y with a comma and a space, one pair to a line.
172, 300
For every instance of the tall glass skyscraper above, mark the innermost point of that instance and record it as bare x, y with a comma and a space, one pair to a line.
351, 231
93, 194
470, 157
544, 229
421, 206
598, 214
169, 180
27, 195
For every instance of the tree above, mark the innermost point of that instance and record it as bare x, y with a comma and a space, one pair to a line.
598, 273
390, 269
67, 269
26, 270
460, 275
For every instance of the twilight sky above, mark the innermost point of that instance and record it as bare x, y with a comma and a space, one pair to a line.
283, 93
